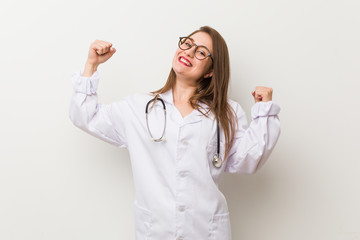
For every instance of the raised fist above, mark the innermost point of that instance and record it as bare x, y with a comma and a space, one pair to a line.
262, 94
99, 52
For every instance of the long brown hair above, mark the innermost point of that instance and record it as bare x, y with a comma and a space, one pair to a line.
213, 91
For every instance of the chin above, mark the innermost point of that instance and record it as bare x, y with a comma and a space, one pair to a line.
178, 69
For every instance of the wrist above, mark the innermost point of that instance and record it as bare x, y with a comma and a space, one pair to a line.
91, 65
89, 69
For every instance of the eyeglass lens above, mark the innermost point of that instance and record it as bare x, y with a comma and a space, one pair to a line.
200, 53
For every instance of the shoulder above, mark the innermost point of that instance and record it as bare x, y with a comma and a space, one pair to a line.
236, 107
139, 99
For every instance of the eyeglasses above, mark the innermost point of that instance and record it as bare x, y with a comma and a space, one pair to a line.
200, 52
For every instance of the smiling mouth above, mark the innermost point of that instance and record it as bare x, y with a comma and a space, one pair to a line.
185, 61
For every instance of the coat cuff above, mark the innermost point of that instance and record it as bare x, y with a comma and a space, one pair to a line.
86, 85
264, 109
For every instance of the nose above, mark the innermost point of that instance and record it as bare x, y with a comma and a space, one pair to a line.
190, 52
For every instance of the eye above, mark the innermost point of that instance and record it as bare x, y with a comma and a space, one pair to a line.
188, 43
202, 53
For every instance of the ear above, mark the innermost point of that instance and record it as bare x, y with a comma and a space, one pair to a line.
209, 74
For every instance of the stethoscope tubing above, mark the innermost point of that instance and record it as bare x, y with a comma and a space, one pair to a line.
147, 121
217, 162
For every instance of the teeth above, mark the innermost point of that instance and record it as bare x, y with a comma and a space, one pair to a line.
184, 61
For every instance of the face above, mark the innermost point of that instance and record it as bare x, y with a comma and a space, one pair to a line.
186, 65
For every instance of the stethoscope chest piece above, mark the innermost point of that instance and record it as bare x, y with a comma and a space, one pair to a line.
217, 161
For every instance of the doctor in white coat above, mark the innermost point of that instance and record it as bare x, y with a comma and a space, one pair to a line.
179, 154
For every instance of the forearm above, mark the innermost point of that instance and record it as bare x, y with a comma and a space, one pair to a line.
93, 117
266, 131
83, 105
89, 69
254, 144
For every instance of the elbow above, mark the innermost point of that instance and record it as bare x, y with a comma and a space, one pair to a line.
74, 121
257, 157
73, 112
252, 161
76, 117
72, 116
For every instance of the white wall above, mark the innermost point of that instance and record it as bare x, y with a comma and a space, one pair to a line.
56, 182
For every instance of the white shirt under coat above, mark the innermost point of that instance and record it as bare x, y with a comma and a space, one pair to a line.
176, 184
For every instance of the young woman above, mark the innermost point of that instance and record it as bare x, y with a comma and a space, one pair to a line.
181, 138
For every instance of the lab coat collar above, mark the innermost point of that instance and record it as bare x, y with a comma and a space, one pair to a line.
192, 117
168, 98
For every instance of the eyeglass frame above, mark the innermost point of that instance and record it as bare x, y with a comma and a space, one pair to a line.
196, 47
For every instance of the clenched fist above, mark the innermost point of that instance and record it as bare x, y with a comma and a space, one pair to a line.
99, 52
262, 94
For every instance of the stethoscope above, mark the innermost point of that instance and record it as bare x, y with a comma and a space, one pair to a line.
217, 162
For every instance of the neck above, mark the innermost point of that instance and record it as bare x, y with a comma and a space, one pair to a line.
183, 90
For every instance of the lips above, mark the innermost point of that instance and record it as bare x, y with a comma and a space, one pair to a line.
185, 61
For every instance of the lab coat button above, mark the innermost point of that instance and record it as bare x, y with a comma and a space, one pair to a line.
181, 208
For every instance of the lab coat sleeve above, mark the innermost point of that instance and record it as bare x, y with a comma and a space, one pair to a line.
104, 121
253, 145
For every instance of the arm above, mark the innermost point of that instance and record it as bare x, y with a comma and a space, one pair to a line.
106, 122
253, 145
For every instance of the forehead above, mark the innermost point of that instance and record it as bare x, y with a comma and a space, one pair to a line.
202, 38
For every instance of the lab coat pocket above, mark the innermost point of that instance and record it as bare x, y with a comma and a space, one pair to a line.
143, 223
220, 227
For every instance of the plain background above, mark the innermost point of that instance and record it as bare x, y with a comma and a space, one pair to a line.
57, 182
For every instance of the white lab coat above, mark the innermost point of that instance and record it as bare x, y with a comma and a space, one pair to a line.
176, 184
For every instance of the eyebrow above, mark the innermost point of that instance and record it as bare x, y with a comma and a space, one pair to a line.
192, 40
195, 42
199, 45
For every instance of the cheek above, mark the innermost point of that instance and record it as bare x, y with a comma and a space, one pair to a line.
175, 57
205, 68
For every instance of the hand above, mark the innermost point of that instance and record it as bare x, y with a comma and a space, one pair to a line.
262, 94
99, 52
